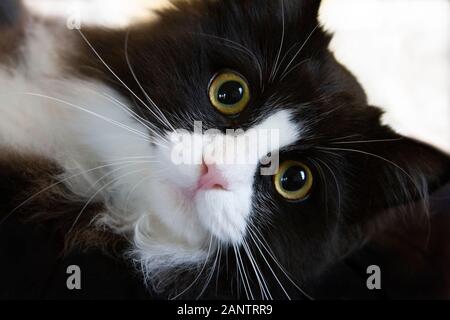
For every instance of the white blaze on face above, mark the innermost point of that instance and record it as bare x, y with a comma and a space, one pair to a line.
229, 162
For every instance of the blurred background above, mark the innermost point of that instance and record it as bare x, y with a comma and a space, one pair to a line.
398, 49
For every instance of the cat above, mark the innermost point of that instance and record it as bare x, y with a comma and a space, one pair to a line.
92, 121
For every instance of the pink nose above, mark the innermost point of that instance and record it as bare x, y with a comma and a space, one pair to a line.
211, 178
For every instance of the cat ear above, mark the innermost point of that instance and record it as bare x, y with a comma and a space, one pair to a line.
399, 172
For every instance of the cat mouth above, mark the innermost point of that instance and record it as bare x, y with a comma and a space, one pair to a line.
221, 212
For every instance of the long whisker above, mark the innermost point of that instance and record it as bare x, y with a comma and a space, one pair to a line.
346, 137
367, 141
265, 294
238, 265
268, 264
31, 198
322, 177
275, 67
138, 184
126, 165
199, 274
97, 192
113, 160
164, 120
299, 50
293, 68
211, 273
338, 189
110, 70
278, 263
378, 157
419, 191
239, 47
246, 278
138, 118
114, 122
128, 110
218, 267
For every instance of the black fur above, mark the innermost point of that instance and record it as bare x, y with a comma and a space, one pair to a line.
10, 12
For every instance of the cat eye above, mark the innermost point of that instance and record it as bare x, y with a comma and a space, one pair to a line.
294, 180
229, 92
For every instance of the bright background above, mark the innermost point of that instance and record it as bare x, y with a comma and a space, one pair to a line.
398, 49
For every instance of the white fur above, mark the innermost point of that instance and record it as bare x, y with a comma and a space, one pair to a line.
149, 200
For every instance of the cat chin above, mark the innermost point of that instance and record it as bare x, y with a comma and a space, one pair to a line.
225, 213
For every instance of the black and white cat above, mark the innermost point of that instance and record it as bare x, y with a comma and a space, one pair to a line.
95, 126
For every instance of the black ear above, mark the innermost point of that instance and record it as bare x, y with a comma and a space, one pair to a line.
398, 172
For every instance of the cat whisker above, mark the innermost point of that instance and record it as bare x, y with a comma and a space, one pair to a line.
285, 56
332, 153
138, 118
238, 264
97, 192
251, 262
265, 294
164, 119
367, 141
293, 68
113, 160
111, 172
246, 276
218, 267
338, 189
199, 274
114, 122
112, 71
252, 234
266, 246
275, 66
211, 273
346, 137
129, 111
378, 157
127, 200
322, 177
239, 47
299, 50
32, 197
421, 193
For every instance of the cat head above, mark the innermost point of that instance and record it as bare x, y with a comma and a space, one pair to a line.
260, 68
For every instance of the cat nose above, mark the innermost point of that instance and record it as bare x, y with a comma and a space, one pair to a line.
211, 178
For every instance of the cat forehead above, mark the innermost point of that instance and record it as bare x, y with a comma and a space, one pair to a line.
261, 23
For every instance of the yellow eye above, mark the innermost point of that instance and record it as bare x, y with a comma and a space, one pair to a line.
294, 180
229, 92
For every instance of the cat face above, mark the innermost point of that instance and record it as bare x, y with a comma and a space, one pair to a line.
253, 66
213, 192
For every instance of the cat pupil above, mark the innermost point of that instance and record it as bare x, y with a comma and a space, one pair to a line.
294, 178
230, 93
